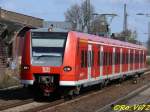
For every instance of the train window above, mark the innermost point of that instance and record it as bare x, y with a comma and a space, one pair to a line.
104, 59
85, 58
82, 59
123, 58
48, 48
117, 58
144, 57
141, 58
105, 56
135, 57
89, 58
131, 58
110, 60
126, 58
108, 57
101, 58
98, 58
92, 58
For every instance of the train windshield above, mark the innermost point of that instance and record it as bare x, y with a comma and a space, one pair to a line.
48, 48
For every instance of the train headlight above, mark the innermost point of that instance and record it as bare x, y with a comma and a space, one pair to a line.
67, 68
26, 67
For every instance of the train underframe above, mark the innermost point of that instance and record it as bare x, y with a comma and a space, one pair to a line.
48, 85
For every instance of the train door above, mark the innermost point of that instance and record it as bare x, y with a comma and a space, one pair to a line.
94, 63
90, 60
82, 61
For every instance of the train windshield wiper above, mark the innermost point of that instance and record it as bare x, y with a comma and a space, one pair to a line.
50, 55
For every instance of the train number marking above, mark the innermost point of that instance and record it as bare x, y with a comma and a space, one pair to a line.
45, 69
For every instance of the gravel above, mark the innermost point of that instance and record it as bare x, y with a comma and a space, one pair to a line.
99, 100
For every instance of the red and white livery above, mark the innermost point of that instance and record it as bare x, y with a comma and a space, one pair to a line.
72, 59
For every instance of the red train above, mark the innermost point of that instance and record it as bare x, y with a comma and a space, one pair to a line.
70, 60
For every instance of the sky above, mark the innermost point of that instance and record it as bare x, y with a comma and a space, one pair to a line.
53, 10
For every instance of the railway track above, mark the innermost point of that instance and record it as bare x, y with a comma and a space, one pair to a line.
123, 100
44, 106
60, 102
19, 103
63, 101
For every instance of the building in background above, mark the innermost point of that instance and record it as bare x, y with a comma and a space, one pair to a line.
13, 27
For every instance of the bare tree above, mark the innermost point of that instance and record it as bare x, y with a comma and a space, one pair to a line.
87, 11
73, 16
80, 16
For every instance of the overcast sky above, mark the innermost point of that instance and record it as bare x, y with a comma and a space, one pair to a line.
53, 10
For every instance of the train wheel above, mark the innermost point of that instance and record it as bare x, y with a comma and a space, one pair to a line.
100, 86
139, 75
68, 94
135, 79
120, 80
76, 91
106, 83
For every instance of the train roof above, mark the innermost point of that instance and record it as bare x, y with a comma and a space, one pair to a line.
52, 30
91, 37
107, 40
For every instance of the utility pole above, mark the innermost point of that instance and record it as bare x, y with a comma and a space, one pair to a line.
125, 23
87, 23
125, 28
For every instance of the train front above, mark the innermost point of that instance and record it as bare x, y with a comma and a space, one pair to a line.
42, 59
